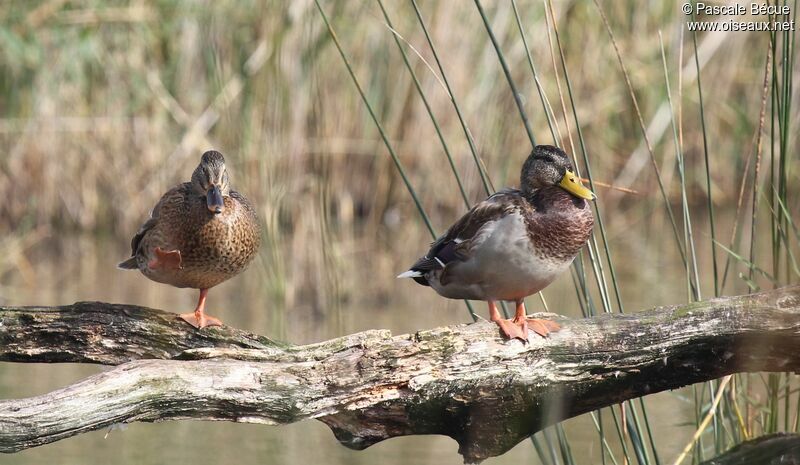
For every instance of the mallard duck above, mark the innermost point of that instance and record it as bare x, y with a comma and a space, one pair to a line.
514, 243
199, 234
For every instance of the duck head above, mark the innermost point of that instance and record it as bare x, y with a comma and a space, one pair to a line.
210, 180
550, 166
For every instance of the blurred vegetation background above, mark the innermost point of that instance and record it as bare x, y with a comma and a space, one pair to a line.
104, 105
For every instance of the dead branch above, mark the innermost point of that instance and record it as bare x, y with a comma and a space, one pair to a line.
463, 381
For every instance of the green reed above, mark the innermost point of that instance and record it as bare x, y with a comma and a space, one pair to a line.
707, 162
776, 89
517, 98
478, 164
424, 99
548, 111
398, 165
692, 278
642, 127
635, 431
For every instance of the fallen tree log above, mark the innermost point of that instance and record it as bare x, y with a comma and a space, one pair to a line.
464, 381
109, 334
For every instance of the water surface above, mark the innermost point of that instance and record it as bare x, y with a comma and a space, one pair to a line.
83, 269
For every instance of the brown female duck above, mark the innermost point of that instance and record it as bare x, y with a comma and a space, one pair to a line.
514, 243
199, 234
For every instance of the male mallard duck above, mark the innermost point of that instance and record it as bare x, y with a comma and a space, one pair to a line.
199, 234
514, 243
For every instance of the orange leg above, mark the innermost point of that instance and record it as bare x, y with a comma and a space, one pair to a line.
512, 329
198, 318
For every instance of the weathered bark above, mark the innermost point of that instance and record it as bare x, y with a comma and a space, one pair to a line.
464, 381
111, 334
775, 449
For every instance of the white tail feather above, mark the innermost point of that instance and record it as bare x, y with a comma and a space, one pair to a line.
410, 274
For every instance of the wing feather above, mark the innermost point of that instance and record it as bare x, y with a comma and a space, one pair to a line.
176, 193
457, 242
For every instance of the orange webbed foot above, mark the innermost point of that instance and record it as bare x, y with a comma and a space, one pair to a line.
198, 317
513, 329
543, 327
201, 320
167, 260
517, 328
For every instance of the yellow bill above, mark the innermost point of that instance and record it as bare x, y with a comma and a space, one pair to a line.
572, 184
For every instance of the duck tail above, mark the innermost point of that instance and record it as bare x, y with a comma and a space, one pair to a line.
410, 274
129, 264
416, 275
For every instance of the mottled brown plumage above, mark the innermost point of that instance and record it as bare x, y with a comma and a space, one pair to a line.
514, 243
199, 234
559, 224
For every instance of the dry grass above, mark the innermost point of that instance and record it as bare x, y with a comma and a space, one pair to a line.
107, 104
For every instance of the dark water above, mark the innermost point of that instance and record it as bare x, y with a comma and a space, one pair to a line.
84, 270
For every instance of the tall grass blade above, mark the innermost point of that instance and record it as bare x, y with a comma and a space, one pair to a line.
544, 457
507, 72
597, 418
548, 112
692, 276
788, 216
484, 176
566, 451
563, 442
427, 107
485, 180
709, 196
648, 144
593, 246
757, 169
385, 139
550, 446
597, 264
752, 267
783, 238
397, 163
